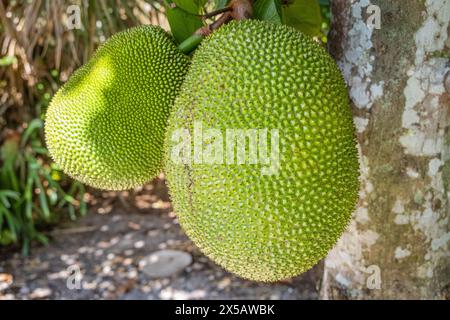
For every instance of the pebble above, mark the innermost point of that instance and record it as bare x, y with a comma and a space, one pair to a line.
165, 263
40, 293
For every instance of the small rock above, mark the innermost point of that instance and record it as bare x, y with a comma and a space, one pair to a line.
24, 290
134, 295
8, 296
165, 263
129, 252
40, 293
139, 244
197, 266
225, 282
6, 280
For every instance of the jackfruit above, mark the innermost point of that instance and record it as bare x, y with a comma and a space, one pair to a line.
276, 217
105, 127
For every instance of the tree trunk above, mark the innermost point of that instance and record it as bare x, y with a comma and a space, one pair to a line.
397, 245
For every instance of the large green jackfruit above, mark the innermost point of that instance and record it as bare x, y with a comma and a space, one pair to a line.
106, 125
262, 220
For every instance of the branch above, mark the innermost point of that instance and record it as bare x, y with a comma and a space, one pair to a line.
236, 10
241, 9
214, 13
10, 29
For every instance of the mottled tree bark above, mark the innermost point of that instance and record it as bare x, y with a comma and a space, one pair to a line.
397, 245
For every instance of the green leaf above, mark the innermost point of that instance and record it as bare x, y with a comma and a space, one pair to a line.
191, 6
219, 4
2, 232
201, 3
83, 207
34, 125
53, 198
41, 238
182, 24
304, 15
11, 222
27, 196
25, 247
53, 183
6, 237
7, 61
69, 199
72, 214
81, 192
42, 197
40, 150
9, 150
268, 10
4, 200
5, 194
10, 194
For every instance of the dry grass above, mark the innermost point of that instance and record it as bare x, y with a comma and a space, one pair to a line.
38, 51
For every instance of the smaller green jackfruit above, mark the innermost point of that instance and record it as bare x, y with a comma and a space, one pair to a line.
105, 127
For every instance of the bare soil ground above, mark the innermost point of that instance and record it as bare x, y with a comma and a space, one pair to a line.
106, 247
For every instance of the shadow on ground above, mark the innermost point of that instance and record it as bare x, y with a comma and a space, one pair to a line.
101, 255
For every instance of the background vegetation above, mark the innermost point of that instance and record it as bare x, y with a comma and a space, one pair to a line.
38, 53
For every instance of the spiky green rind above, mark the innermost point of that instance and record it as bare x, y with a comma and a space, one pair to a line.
106, 125
256, 75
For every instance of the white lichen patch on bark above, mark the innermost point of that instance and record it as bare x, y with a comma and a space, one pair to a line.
357, 62
360, 124
423, 115
401, 219
348, 253
426, 82
412, 173
398, 206
433, 166
424, 121
401, 253
362, 215
401, 222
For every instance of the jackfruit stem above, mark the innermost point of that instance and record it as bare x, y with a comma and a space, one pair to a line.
223, 19
236, 10
215, 13
241, 9
189, 45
